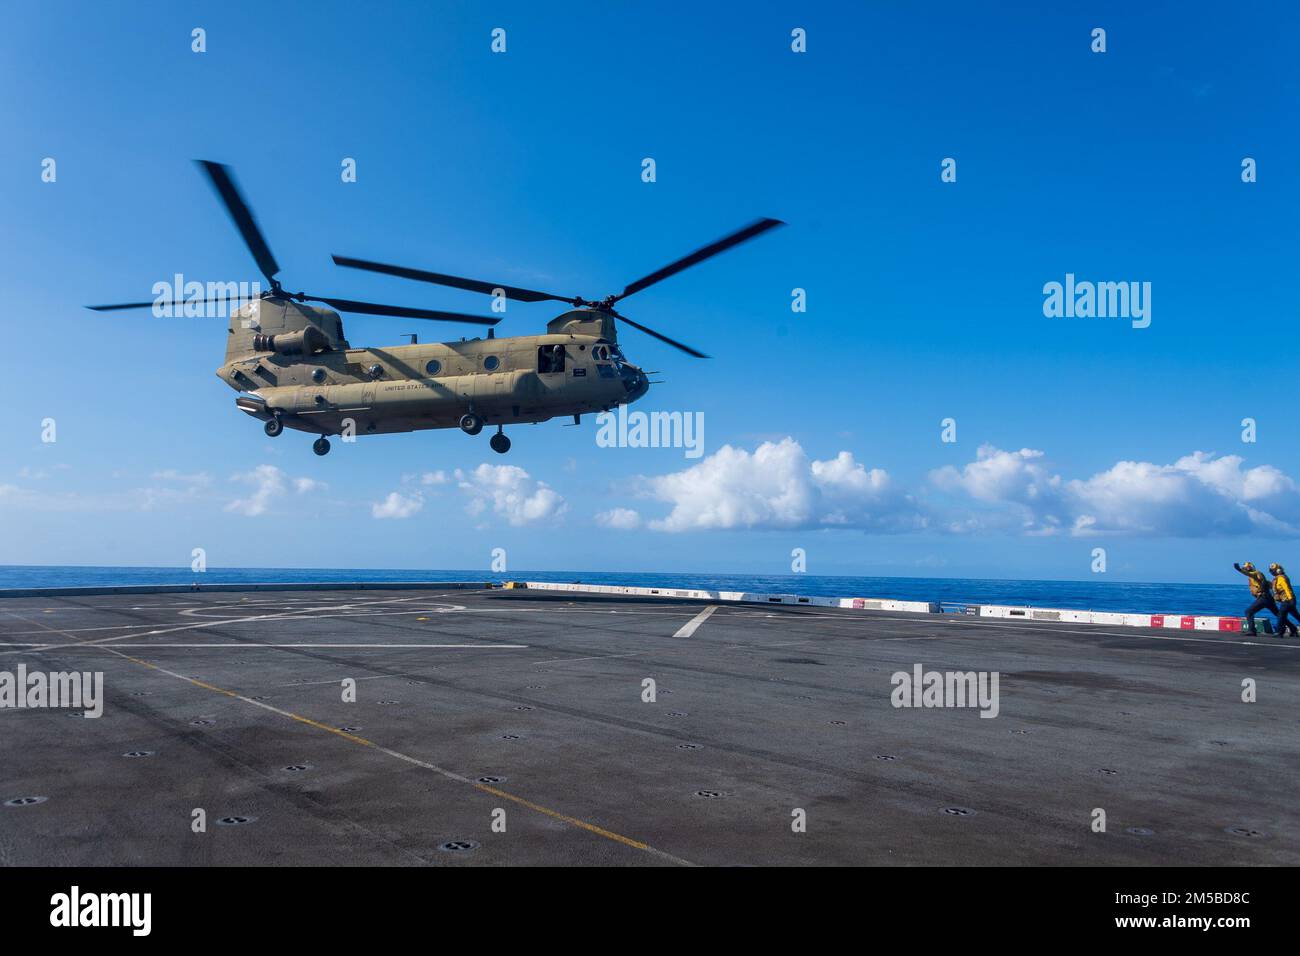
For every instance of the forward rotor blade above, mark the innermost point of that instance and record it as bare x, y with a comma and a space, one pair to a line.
456, 282
699, 255
242, 216
662, 338
123, 305
401, 311
178, 306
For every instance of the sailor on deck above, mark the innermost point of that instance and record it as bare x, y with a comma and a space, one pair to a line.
1285, 596
1260, 591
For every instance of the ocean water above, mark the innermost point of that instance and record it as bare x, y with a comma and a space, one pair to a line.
1083, 595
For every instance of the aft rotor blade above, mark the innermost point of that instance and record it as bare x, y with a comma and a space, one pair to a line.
662, 338
456, 282
224, 184
699, 255
401, 311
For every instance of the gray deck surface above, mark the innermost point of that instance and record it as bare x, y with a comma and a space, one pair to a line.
761, 709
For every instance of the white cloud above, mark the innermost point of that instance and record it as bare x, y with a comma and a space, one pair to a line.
1012, 492
171, 474
397, 506
510, 493
30, 499
39, 474
1199, 495
434, 478
151, 498
99, 500
853, 496
997, 475
268, 484
619, 519
778, 487
1025, 494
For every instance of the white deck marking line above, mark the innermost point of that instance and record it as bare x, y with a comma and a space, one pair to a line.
311, 613
313, 683
252, 646
687, 629
155, 631
598, 657
563, 610
78, 630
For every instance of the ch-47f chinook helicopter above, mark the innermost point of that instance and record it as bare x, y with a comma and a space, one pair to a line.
293, 368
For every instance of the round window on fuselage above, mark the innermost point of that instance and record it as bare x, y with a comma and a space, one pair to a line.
433, 367
491, 362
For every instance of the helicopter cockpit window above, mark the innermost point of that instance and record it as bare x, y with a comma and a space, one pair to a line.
601, 353
550, 358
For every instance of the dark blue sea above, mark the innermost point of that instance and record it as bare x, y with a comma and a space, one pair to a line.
1083, 595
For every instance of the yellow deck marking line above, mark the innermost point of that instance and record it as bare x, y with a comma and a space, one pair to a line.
398, 755
574, 821
690, 626
248, 700
451, 775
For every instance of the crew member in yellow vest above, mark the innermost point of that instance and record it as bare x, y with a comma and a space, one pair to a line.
1285, 596
1260, 591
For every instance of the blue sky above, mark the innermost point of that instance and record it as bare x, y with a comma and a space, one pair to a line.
924, 297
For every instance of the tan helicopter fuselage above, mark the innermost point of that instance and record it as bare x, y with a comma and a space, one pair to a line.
290, 360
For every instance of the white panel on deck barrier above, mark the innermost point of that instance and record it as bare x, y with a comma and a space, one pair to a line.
750, 597
1008, 611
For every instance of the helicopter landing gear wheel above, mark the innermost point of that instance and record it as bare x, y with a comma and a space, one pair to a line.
274, 426
321, 446
499, 442
471, 424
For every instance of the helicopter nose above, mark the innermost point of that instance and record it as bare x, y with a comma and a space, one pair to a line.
637, 385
